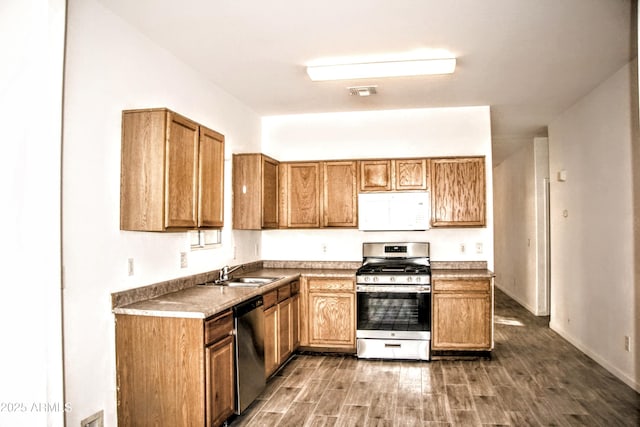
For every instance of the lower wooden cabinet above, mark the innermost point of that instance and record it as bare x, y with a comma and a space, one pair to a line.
220, 379
462, 314
285, 344
174, 371
271, 324
281, 326
330, 317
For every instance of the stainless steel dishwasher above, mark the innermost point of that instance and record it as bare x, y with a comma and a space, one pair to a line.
249, 328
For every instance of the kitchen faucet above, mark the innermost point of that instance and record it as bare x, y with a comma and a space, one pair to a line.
225, 271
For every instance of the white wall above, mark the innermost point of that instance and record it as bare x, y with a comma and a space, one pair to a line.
380, 134
110, 67
520, 225
32, 51
592, 258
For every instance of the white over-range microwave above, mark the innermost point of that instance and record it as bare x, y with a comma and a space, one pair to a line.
394, 211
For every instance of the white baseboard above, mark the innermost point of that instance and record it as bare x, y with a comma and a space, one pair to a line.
519, 301
622, 376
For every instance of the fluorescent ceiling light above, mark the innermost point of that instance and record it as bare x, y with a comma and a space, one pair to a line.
382, 69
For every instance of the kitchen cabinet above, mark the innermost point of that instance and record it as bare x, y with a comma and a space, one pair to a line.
393, 175
375, 175
172, 172
271, 325
300, 195
255, 192
458, 192
462, 315
285, 343
220, 375
410, 174
340, 207
174, 371
281, 325
329, 311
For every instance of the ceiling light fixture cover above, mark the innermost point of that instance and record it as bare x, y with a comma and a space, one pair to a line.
382, 69
362, 90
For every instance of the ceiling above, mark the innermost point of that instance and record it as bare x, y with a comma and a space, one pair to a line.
529, 60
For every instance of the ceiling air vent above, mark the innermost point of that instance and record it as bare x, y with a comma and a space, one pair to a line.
362, 90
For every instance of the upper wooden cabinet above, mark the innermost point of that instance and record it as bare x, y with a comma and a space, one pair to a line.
300, 195
339, 194
172, 172
375, 175
318, 194
458, 191
255, 192
211, 179
393, 175
410, 174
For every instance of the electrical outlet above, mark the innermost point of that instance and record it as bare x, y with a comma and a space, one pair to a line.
184, 263
130, 266
324, 248
627, 343
462, 248
479, 247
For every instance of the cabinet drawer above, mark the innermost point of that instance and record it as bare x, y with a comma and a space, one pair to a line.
295, 287
218, 327
464, 285
270, 299
284, 292
331, 284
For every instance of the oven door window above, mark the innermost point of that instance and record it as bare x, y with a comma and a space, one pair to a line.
387, 311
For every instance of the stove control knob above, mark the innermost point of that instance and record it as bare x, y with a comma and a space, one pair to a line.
409, 279
392, 279
418, 279
367, 278
375, 279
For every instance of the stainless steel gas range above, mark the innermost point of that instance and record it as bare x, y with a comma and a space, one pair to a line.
393, 289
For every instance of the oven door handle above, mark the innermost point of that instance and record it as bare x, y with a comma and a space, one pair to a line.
395, 289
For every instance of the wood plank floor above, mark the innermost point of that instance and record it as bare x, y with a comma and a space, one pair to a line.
534, 378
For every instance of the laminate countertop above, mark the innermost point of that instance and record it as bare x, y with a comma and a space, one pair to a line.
203, 301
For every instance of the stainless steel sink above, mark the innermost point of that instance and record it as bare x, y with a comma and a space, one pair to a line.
251, 281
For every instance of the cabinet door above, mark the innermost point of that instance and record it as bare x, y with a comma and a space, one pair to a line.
142, 180
461, 321
246, 191
458, 192
295, 321
375, 175
410, 174
211, 183
340, 196
181, 170
303, 195
159, 361
220, 385
269, 193
271, 357
332, 319
285, 338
